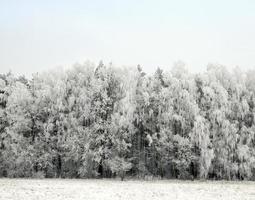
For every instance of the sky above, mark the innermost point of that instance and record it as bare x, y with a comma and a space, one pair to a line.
39, 35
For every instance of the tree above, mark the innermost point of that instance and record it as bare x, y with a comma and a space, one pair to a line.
103, 121
200, 136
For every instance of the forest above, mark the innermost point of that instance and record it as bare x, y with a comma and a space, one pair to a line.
102, 121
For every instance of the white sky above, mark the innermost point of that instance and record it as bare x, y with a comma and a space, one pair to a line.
38, 35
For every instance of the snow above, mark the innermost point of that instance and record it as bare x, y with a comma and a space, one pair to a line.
62, 189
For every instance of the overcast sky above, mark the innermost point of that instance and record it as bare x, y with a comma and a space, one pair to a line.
38, 35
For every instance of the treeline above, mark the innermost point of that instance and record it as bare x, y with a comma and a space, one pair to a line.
101, 121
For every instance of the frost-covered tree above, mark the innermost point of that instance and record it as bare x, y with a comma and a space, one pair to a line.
102, 121
200, 137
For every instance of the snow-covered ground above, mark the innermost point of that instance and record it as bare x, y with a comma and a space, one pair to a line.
61, 189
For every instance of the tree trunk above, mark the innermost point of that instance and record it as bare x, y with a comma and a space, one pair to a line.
59, 166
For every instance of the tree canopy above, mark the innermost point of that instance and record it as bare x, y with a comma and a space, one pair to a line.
103, 121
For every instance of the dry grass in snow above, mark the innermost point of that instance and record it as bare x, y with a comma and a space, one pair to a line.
62, 189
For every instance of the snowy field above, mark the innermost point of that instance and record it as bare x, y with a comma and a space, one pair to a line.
61, 189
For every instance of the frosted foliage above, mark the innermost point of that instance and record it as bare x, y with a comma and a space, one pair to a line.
109, 122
